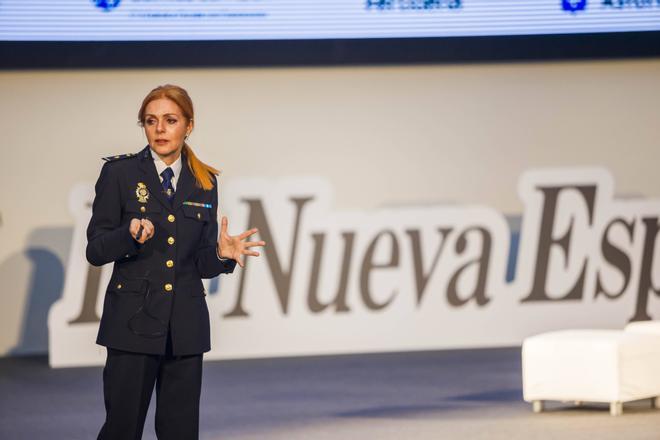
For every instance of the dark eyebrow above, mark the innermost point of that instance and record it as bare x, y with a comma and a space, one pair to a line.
166, 114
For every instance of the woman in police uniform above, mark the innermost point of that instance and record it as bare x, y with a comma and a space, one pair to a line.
154, 216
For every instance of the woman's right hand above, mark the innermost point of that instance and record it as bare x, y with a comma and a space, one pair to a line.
147, 229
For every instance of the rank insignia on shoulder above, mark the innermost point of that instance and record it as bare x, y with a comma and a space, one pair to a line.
118, 157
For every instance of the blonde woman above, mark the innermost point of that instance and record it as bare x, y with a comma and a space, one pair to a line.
154, 217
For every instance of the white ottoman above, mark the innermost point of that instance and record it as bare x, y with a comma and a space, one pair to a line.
652, 327
611, 366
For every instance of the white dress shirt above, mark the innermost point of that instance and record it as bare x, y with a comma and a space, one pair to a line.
160, 167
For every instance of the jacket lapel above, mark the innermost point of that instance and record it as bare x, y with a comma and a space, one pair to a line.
185, 186
151, 179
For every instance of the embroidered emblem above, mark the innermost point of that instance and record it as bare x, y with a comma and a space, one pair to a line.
142, 192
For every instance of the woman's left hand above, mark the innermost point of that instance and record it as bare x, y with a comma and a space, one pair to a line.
234, 247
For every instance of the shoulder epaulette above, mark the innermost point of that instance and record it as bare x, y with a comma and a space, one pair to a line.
119, 157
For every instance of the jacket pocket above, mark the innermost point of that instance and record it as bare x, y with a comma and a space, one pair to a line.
196, 213
142, 208
127, 287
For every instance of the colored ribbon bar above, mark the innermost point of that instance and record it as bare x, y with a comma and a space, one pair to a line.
200, 205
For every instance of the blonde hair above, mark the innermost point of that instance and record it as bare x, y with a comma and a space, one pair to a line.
202, 172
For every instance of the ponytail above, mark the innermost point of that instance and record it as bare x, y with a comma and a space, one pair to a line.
203, 173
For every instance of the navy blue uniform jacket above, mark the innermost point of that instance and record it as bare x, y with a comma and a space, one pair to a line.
155, 287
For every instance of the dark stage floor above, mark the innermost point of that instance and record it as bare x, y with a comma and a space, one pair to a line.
426, 395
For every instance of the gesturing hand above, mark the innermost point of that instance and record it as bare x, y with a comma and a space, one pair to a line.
147, 229
234, 247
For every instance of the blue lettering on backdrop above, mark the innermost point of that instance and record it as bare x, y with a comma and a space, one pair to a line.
106, 5
638, 4
574, 5
412, 4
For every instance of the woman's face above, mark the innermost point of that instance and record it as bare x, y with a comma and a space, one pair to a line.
166, 128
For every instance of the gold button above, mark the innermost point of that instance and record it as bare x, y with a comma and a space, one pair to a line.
170, 218
170, 240
199, 215
118, 286
143, 209
168, 287
169, 263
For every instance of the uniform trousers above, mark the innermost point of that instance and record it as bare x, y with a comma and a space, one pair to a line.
128, 383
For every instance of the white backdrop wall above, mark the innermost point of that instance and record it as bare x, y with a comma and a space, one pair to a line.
379, 136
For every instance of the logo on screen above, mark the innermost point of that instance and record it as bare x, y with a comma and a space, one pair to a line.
106, 5
573, 5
